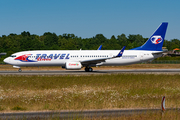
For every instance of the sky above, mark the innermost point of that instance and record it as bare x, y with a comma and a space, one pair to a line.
86, 18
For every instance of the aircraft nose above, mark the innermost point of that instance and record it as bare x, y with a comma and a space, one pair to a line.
6, 60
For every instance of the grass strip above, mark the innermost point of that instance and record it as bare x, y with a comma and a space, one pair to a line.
88, 92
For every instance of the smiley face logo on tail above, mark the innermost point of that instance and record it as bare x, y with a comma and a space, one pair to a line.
156, 39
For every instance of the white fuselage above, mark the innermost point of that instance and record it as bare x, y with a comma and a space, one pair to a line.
61, 57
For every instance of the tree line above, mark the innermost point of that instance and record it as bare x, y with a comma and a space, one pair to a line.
50, 41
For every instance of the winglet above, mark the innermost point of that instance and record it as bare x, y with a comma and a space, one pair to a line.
121, 52
99, 47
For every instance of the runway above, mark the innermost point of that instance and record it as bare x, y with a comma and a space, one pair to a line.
80, 114
82, 72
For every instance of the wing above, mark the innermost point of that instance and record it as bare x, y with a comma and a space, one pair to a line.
99, 60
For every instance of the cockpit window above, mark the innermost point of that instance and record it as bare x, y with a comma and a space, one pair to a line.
13, 56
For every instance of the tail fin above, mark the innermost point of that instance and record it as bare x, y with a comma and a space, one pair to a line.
155, 42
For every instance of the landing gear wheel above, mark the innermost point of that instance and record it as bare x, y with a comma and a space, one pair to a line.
20, 70
88, 69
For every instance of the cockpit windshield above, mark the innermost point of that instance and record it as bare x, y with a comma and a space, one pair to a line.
13, 56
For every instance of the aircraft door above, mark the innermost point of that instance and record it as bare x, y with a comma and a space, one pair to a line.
141, 56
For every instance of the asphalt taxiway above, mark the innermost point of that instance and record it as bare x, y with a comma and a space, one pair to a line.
82, 72
81, 114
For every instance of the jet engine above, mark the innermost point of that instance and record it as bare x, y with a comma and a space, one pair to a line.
73, 65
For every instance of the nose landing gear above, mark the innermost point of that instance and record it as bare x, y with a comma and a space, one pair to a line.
19, 70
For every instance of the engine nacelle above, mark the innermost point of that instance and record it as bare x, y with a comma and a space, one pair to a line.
73, 65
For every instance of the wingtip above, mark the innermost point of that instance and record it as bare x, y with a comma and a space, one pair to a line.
99, 47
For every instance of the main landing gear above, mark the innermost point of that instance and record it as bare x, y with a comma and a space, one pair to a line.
88, 69
19, 70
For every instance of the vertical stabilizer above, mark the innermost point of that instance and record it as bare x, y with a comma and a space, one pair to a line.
155, 42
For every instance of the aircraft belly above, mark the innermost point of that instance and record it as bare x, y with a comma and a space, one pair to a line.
120, 61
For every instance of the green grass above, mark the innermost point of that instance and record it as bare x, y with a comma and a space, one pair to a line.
18, 108
88, 92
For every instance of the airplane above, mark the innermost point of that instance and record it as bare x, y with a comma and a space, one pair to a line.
77, 59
